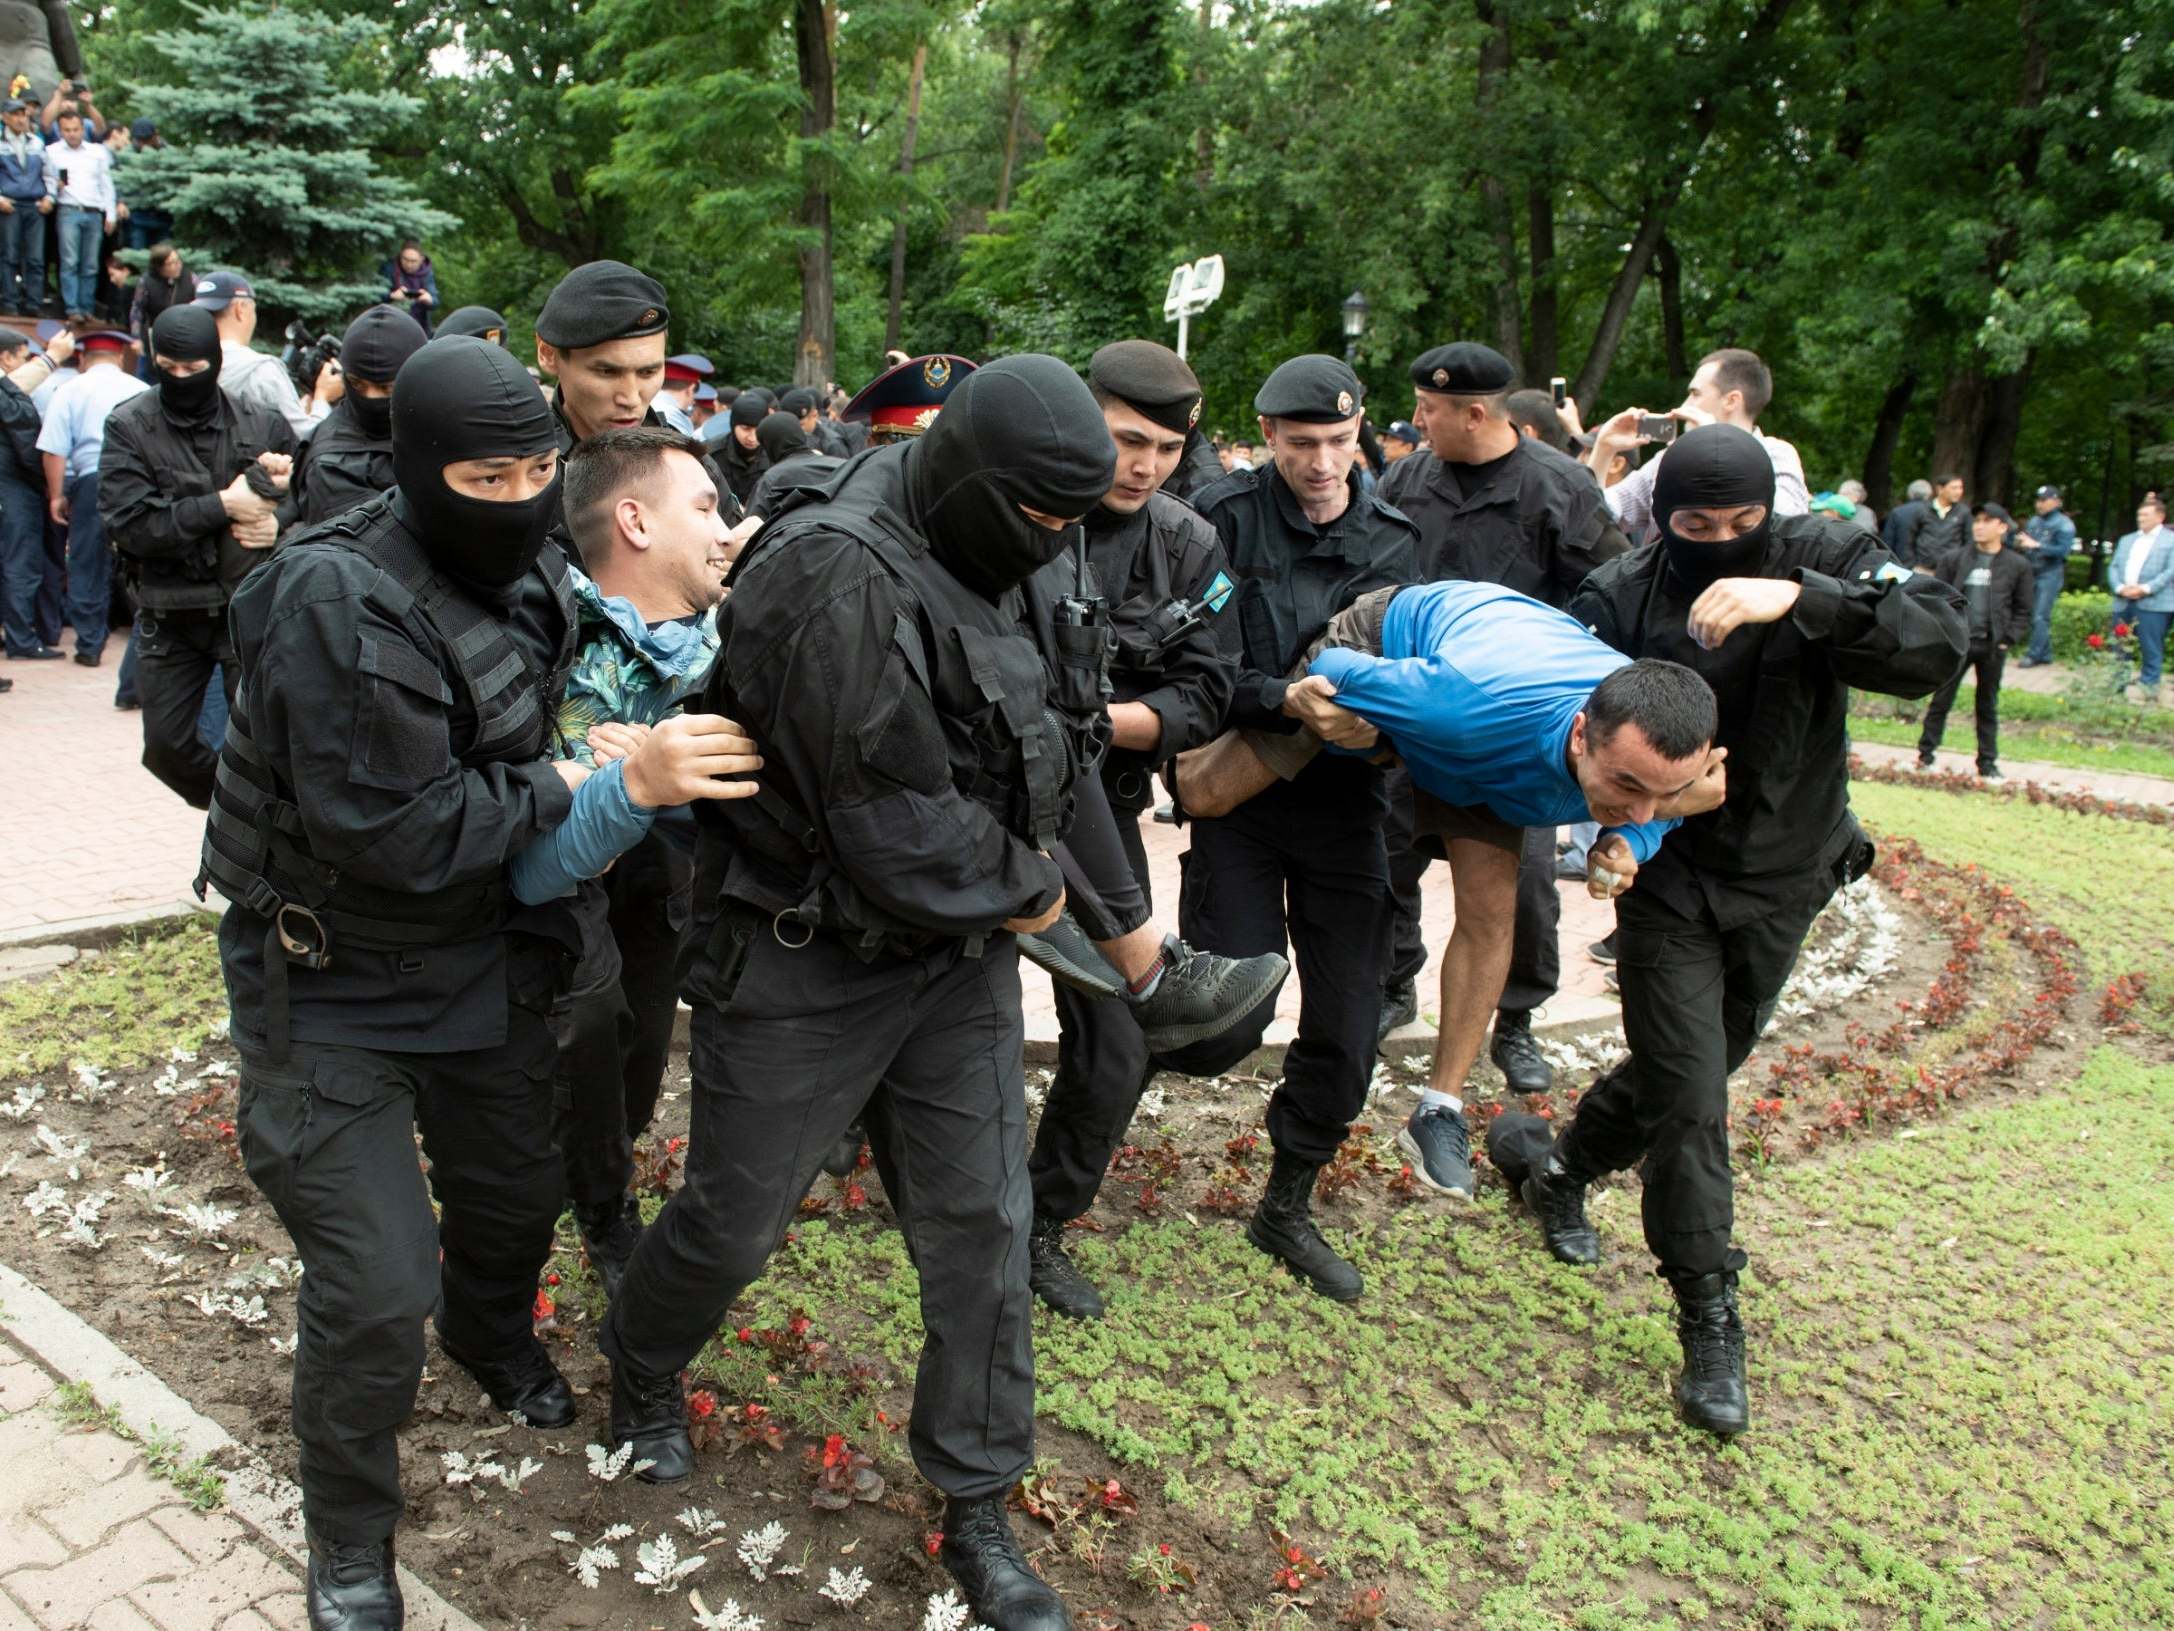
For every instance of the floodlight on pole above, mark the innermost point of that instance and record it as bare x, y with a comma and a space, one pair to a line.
1193, 289
1355, 309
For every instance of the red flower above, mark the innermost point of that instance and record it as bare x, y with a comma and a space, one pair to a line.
798, 1325
833, 1449
755, 1412
701, 1404
934, 1542
552, 1278
2096, 642
1164, 1548
744, 1334
2121, 630
544, 1307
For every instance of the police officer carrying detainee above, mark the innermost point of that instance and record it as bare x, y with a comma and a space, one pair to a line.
391, 834
1304, 860
1781, 615
921, 724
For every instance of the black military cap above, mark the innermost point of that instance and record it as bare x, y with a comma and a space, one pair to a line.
1151, 378
1464, 368
601, 302
798, 401
1314, 389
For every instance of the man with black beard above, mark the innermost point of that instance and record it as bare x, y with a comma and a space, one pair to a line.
1493, 505
188, 485
391, 835
1781, 615
1161, 568
348, 459
922, 715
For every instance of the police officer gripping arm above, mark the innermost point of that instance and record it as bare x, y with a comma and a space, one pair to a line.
383, 781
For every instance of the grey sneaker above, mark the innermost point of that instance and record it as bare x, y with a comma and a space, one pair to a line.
1439, 1147
1066, 955
1201, 995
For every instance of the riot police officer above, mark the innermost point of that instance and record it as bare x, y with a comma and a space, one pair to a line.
1304, 860
348, 459
1161, 567
921, 719
383, 781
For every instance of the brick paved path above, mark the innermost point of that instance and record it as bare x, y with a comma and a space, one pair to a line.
89, 1538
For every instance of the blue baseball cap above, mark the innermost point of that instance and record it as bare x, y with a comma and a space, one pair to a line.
216, 291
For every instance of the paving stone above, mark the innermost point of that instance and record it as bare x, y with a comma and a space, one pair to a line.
286, 1612
206, 1597
84, 1520
205, 1536
11, 1617
25, 1541
98, 1456
61, 1597
30, 1478
23, 1386
120, 1615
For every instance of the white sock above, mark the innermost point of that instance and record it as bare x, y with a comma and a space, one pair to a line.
1429, 1100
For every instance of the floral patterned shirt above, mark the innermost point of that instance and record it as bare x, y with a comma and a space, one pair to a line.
627, 671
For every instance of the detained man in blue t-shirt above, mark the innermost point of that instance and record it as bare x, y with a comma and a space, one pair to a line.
1509, 715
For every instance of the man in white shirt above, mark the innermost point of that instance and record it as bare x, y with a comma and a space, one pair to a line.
1731, 387
79, 178
246, 374
2141, 575
69, 442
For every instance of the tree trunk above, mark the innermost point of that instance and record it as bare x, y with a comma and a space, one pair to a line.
1879, 470
1994, 477
815, 40
1959, 423
1494, 67
905, 175
1013, 100
1668, 270
1543, 356
1615, 315
1204, 137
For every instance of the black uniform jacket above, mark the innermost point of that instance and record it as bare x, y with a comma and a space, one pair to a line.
340, 466
1783, 689
1532, 520
159, 482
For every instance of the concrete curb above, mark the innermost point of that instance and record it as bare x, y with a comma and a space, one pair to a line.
93, 933
255, 1496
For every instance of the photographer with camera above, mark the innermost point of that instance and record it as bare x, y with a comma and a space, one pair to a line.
245, 373
1730, 387
70, 96
411, 285
349, 460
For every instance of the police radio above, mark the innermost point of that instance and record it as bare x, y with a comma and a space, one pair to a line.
1087, 612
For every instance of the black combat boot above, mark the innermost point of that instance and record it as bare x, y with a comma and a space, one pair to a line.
984, 1558
650, 1413
353, 1588
1518, 1056
1056, 1279
1283, 1227
1711, 1391
1201, 995
522, 1383
845, 1155
1399, 1007
609, 1234
1556, 1196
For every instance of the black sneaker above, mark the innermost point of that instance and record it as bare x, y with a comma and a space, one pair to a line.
1524, 1067
983, 1556
650, 1413
1056, 1279
1991, 773
1201, 995
1283, 1227
845, 1155
523, 1383
353, 1588
1439, 1147
1602, 951
1065, 953
1924, 762
1711, 1390
37, 654
609, 1234
86, 659
1399, 1007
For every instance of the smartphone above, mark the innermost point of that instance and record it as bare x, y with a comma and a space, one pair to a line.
1561, 389
1660, 427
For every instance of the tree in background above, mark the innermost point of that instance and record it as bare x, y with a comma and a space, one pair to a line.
268, 167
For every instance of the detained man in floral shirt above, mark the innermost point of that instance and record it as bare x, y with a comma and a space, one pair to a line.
643, 512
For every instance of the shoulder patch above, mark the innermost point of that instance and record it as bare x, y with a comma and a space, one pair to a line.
1893, 572
1218, 592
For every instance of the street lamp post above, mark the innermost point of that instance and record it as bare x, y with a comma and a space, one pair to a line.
1354, 325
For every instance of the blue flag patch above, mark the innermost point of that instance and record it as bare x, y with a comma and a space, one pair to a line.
1218, 595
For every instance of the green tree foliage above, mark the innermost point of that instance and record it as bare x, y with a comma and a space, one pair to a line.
269, 167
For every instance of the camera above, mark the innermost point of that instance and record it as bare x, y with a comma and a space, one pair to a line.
305, 357
1660, 427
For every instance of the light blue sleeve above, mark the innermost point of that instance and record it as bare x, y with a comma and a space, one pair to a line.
1391, 693
1644, 839
603, 825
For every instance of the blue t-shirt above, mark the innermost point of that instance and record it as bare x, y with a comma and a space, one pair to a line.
1476, 688
77, 411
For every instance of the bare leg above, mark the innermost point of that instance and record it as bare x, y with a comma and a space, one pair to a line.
1216, 779
1476, 962
1132, 955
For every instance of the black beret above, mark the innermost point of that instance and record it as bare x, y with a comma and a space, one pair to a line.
601, 302
474, 320
748, 408
1150, 377
1464, 368
1314, 389
799, 401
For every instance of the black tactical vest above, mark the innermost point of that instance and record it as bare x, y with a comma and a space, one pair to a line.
256, 852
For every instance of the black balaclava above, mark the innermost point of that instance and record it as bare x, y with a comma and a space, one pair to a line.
187, 334
373, 348
781, 436
474, 321
749, 409
1021, 430
1714, 467
465, 398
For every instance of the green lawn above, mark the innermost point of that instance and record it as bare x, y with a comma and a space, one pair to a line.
2092, 734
